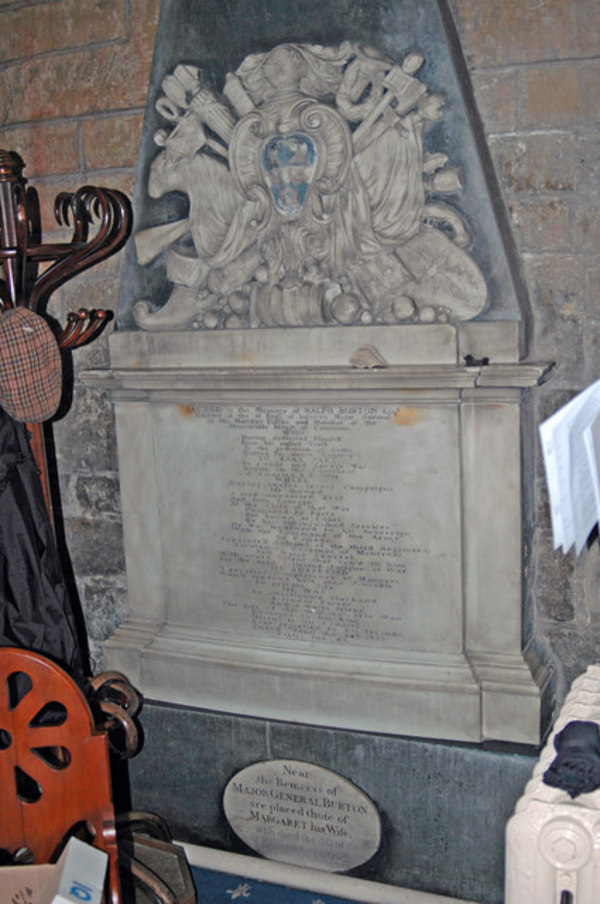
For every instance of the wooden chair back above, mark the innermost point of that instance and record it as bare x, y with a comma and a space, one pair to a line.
54, 764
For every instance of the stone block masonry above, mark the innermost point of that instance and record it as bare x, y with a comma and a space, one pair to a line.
73, 82
535, 74
72, 95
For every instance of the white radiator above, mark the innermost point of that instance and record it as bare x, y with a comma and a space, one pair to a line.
553, 841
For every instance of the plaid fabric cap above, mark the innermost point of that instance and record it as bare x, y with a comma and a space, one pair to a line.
30, 366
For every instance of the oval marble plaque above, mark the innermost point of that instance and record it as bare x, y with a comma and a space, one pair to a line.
300, 813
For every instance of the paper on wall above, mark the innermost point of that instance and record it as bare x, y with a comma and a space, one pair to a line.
570, 449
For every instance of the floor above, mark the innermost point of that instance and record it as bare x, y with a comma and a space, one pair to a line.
222, 878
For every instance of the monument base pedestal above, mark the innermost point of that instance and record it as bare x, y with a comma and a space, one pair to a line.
420, 695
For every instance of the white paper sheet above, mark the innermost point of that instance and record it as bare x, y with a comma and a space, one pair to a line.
571, 471
591, 438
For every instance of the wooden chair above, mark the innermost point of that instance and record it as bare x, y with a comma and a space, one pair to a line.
55, 779
54, 765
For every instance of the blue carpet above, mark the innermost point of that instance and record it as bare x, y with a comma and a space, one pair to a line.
224, 888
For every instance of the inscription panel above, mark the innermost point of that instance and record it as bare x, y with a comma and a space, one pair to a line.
303, 814
320, 523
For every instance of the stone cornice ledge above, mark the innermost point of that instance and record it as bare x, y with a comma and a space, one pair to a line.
130, 383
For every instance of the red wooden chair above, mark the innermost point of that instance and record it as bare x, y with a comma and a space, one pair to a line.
54, 764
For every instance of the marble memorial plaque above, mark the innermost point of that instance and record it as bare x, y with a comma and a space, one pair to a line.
313, 533
314, 523
340, 551
302, 814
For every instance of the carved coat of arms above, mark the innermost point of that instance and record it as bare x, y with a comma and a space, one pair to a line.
309, 197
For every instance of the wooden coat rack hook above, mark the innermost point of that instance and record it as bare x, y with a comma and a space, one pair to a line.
101, 221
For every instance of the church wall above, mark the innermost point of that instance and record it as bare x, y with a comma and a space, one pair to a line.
73, 79
533, 69
73, 82
72, 94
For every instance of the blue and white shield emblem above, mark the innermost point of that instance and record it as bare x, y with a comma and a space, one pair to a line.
289, 164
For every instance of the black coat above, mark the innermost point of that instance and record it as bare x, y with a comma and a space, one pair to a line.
36, 611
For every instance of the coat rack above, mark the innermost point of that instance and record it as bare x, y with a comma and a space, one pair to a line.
101, 219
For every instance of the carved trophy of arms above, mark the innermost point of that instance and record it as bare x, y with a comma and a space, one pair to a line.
308, 191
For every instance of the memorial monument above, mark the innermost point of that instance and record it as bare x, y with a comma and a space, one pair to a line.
318, 377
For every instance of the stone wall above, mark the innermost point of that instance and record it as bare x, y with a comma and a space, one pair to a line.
72, 91
534, 68
73, 82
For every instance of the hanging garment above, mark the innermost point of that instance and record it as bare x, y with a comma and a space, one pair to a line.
35, 608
